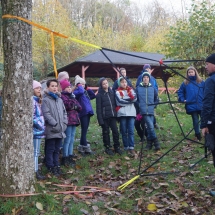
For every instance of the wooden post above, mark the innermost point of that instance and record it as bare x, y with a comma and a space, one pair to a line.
84, 68
117, 73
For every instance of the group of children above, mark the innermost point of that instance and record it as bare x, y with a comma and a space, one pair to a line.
62, 108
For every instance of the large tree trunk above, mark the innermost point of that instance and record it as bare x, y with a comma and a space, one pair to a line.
16, 148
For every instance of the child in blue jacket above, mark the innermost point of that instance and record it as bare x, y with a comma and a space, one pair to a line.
191, 92
83, 95
147, 96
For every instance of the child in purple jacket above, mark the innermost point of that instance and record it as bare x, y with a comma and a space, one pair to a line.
84, 95
72, 108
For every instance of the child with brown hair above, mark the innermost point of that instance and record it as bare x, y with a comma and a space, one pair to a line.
125, 98
106, 115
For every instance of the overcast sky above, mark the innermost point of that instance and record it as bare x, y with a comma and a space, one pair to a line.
173, 5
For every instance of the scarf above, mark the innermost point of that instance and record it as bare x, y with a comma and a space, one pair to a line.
129, 92
53, 95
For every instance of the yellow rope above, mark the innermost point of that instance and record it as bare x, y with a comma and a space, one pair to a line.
85, 43
53, 55
123, 186
34, 24
52, 33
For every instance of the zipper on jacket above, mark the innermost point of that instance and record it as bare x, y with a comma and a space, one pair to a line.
146, 101
110, 104
56, 103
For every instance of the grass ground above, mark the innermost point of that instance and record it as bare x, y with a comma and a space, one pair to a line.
184, 191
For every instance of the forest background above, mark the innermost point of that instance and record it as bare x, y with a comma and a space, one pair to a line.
124, 25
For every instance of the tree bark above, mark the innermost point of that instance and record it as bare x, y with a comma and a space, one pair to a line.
16, 146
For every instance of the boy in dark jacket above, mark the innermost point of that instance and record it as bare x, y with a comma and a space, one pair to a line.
56, 123
106, 115
208, 108
147, 95
116, 85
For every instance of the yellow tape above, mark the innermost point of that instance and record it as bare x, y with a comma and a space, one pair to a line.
123, 186
84, 43
52, 37
34, 24
53, 55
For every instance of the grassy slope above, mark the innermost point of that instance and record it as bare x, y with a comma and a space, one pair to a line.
182, 193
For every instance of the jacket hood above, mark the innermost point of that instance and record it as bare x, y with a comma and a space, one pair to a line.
100, 82
102, 91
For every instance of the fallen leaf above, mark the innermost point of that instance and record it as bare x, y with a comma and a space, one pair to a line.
48, 182
151, 207
88, 203
84, 211
173, 194
78, 167
184, 204
71, 171
164, 184
127, 158
95, 208
150, 169
14, 211
67, 197
39, 206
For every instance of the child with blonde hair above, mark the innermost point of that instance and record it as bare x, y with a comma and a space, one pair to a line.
191, 93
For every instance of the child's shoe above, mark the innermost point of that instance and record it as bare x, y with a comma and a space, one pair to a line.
54, 171
87, 150
65, 161
81, 150
59, 171
109, 151
71, 161
149, 145
131, 152
39, 175
156, 144
198, 136
74, 156
118, 151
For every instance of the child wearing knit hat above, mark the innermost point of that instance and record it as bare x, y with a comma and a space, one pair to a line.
38, 126
72, 108
84, 94
62, 76
147, 96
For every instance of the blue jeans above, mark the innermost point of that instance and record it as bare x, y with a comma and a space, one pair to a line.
85, 121
69, 140
195, 117
36, 152
149, 120
127, 131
